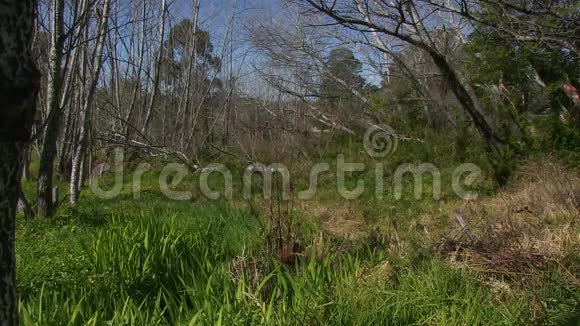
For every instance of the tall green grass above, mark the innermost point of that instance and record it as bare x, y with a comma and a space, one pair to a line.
172, 267
153, 261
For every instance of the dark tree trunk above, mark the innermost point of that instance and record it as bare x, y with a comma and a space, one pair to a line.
63, 167
19, 81
9, 195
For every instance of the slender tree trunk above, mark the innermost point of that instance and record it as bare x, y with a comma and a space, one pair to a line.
115, 69
192, 67
137, 74
24, 206
69, 115
157, 69
64, 154
48, 154
74, 185
19, 83
67, 92
26, 174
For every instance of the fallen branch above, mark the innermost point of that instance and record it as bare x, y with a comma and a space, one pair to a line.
151, 149
464, 227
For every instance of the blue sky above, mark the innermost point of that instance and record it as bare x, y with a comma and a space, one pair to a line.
218, 11
215, 15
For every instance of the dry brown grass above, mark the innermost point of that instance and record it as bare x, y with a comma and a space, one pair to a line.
343, 222
545, 188
532, 225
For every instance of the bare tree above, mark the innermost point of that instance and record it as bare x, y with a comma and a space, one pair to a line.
552, 23
157, 68
405, 21
137, 71
45, 201
81, 146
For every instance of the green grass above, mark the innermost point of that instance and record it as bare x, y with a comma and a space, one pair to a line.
154, 261
168, 269
162, 263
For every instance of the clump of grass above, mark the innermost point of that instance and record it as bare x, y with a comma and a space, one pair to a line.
432, 294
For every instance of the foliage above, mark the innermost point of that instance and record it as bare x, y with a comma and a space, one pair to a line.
341, 64
177, 58
521, 79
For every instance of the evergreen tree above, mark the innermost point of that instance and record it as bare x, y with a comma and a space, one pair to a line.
342, 75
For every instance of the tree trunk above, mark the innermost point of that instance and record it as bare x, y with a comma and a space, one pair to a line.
469, 102
24, 206
74, 188
64, 156
26, 174
192, 65
157, 69
48, 154
137, 74
460, 88
9, 194
69, 95
19, 81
